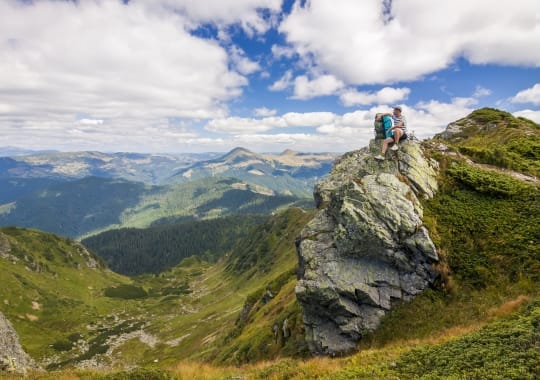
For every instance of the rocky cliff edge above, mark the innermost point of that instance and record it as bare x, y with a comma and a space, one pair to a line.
366, 248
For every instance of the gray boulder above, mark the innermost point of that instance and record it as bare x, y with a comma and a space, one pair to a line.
366, 248
12, 356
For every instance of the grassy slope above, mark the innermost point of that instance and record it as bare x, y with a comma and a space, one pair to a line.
59, 299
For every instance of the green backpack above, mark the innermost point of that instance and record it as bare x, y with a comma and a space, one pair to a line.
381, 126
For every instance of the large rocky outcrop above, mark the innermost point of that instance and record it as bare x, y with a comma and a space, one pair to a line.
12, 356
366, 248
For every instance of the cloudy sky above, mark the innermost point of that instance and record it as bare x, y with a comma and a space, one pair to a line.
268, 75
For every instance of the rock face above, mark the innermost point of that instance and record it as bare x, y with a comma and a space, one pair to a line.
366, 248
12, 356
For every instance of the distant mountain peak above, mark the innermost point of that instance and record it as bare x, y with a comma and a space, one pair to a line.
240, 150
236, 153
289, 152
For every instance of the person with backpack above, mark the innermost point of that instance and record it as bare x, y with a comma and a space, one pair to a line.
394, 134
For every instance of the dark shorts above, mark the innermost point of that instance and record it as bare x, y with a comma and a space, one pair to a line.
403, 136
390, 135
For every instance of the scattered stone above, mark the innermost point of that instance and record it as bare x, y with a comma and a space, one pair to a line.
32, 317
5, 249
275, 331
267, 297
176, 342
285, 328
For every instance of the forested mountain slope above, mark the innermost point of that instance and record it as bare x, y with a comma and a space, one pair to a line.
134, 251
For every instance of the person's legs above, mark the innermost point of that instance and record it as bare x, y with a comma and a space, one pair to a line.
385, 144
398, 132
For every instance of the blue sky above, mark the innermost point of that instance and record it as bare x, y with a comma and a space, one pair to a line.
268, 75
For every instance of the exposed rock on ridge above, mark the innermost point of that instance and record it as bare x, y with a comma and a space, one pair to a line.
12, 356
366, 248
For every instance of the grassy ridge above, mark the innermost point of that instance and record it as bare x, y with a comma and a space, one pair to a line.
495, 137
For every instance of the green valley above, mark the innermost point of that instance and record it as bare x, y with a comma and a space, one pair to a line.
68, 308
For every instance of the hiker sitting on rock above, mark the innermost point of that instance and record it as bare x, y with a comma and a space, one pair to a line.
394, 134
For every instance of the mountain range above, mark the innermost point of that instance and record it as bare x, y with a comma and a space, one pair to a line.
76, 194
159, 169
289, 172
138, 167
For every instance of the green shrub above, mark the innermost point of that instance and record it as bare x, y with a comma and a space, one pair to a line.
62, 345
491, 183
126, 291
138, 374
177, 290
74, 337
490, 116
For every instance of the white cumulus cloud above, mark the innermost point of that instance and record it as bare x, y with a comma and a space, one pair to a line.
123, 63
533, 115
237, 125
249, 14
91, 121
264, 112
305, 88
243, 64
358, 43
481, 91
282, 83
383, 96
529, 95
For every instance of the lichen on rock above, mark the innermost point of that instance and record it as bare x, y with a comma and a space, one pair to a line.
366, 248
